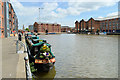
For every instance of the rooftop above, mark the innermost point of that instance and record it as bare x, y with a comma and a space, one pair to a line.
108, 17
64, 26
47, 23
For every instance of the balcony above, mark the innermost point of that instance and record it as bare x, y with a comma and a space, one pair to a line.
10, 20
10, 12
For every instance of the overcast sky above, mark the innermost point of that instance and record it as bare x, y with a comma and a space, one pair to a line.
64, 12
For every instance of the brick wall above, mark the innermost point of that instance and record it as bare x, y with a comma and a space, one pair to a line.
52, 28
66, 29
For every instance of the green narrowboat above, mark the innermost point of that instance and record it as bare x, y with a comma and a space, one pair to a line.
40, 53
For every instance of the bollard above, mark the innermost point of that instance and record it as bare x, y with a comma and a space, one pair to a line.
28, 71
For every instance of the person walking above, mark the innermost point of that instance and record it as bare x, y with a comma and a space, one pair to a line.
19, 36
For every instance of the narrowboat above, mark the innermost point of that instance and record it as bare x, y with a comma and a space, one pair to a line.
40, 53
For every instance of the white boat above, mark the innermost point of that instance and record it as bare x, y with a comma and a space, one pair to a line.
88, 33
102, 33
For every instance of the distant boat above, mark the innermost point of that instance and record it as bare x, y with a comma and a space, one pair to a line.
102, 33
51, 33
89, 33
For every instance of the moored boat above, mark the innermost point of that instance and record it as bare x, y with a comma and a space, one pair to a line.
39, 52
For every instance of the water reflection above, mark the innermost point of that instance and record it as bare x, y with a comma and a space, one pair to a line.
51, 74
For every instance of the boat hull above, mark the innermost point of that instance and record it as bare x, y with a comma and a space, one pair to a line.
44, 67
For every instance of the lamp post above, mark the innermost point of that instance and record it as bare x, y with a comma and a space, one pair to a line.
39, 13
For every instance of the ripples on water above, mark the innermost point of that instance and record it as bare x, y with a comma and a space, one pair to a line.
83, 56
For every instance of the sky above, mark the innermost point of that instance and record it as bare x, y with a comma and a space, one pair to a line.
64, 12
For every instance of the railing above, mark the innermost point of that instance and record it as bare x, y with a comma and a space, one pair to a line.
20, 44
27, 66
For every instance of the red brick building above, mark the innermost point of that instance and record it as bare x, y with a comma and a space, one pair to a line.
110, 24
42, 27
92, 25
66, 29
76, 27
82, 25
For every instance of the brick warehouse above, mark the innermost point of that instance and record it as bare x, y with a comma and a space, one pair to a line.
92, 25
66, 29
8, 19
42, 27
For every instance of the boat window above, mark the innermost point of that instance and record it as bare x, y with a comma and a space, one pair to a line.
36, 49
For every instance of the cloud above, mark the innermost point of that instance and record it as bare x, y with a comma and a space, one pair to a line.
77, 8
50, 6
24, 11
48, 13
112, 14
52, 12
67, 0
109, 16
26, 15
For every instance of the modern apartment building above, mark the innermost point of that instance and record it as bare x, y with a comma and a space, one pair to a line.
31, 28
42, 27
9, 20
1, 20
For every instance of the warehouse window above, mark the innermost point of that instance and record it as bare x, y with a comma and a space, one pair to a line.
114, 23
2, 10
119, 23
103, 24
0, 21
0, 31
117, 26
106, 24
0, 6
110, 24
113, 27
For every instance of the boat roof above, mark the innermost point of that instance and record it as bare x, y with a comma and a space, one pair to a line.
38, 44
35, 37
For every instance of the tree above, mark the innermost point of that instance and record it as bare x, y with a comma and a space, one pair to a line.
27, 29
97, 31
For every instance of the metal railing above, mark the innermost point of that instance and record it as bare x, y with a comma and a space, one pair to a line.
19, 45
27, 66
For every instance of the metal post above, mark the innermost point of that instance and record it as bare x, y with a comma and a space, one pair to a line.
16, 46
22, 44
39, 13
